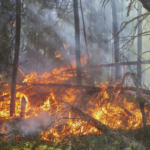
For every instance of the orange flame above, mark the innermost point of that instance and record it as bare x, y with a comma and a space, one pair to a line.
102, 107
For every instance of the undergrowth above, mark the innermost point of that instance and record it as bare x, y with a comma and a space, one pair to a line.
90, 142
16, 140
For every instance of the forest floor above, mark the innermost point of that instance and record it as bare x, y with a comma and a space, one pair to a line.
135, 141
124, 140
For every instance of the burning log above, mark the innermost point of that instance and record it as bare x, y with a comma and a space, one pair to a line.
23, 107
88, 89
102, 127
91, 121
86, 117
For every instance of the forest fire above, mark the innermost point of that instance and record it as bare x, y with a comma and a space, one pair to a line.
110, 109
72, 79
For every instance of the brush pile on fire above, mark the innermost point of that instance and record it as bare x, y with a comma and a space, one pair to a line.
56, 107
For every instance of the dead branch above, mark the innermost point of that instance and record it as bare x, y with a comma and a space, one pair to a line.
91, 121
120, 63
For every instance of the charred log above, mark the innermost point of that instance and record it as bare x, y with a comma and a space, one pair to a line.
23, 107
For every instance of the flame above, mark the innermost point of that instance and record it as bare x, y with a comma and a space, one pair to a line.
77, 127
58, 55
103, 107
65, 46
21, 72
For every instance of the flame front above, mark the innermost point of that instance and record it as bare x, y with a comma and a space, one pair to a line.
101, 106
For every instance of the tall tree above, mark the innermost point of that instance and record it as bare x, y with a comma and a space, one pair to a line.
16, 57
139, 66
77, 41
116, 39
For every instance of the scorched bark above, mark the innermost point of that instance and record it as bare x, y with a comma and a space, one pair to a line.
16, 57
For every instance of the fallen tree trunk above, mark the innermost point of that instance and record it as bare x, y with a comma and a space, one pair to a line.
86, 117
119, 63
88, 89
56, 85
91, 121
102, 127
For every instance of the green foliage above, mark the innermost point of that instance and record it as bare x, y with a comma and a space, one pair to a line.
90, 142
26, 145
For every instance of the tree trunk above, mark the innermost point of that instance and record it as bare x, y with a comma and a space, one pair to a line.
122, 56
16, 57
57, 6
86, 45
139, 67
77, 41
142, 103
116, 39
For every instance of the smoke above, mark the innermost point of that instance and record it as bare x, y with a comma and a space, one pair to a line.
38, 123
31, 125
55, 25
